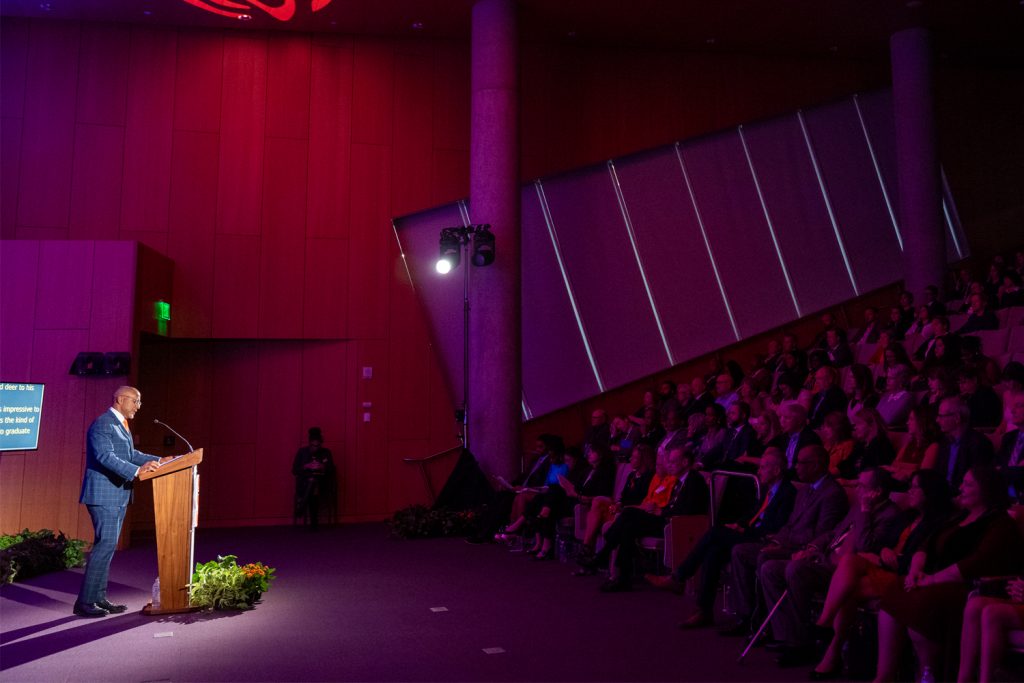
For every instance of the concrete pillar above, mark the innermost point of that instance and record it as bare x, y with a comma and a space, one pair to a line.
917, 158
495, 381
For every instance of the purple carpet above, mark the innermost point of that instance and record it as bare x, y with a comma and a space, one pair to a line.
352, 604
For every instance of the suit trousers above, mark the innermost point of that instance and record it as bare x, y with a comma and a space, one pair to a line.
712, 555
805, 579
106, 521
746, 562
632, 525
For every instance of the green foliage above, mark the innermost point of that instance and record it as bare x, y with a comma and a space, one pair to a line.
419, 521
222, 584
31, 553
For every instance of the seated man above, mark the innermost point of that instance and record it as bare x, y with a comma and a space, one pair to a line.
874, 523
980, 317
827, 397
712, 551
818, 508
961, 447
984, 403
689, 497
796, 435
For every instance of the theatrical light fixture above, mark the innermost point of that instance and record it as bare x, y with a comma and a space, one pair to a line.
450, 250
483, 246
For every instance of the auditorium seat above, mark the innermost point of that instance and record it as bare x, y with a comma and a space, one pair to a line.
993, 342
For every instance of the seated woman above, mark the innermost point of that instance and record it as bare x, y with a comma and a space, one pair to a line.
651, 431
982, 540
860, 387
864, 576
586, 480
941, 385
649, 401
622, 436
921, 447
837, 438
555, 467
895, 403
766, 430
872, 447
603, 509
922, 324
710, 450
987, 625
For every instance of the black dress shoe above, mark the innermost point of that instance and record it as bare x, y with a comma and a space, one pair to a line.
111, 607
797, 656
736, 630
89, 610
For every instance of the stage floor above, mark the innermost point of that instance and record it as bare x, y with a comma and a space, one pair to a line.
352, 604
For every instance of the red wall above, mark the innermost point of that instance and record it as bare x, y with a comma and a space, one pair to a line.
268, 167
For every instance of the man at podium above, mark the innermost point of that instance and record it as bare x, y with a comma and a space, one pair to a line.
111, 464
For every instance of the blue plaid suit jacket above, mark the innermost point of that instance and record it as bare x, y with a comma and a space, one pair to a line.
111, 462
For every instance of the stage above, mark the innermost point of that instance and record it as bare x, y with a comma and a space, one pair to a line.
352, 604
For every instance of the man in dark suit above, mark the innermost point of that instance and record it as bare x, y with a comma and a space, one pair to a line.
961, 447
931, 301
689, 497
828, 397
795, 434
818, 508
868, 334
711, 553
1010, 456
875, 522
980, 316
984, 403
111, 464
940, 330
739, 432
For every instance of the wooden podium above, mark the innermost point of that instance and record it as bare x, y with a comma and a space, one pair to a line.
176, 508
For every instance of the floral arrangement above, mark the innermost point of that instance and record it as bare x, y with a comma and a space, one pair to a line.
223, 584
420, 521
31, 553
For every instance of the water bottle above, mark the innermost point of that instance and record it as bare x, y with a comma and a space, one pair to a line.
156, 594
927, 676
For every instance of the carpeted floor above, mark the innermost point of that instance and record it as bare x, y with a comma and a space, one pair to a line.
352, 604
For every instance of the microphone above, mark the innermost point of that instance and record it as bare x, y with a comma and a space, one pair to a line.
171, 429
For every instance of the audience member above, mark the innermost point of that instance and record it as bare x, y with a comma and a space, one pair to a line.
710, 451
702, 397
868, 334
979, 317
651, 431
961, 447
558, 499
818, 508
603, 509
922, 325
676, 433
860, 388
865, 576
711, 553
940, 386
983, 402
872, 447
895, 327
688, 496
796, 435
599, 432
921, 448
739, 434
837, 438
839, 352
931, 301
986, 630
828, 397
649, 401
942, 349
873, 523
725, 390
1010, 294
766, 430
981, 541
896, 401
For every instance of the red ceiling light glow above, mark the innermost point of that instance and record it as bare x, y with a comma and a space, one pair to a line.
282, 11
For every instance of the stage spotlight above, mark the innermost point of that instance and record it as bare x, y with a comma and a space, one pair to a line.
451, 246
483, 246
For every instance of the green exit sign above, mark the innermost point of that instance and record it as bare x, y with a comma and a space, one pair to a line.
162, 311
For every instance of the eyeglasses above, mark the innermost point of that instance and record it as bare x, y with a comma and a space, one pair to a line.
136, 401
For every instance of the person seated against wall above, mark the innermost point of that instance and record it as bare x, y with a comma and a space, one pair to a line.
315, 481
818, 507
622, 436
828, 322
828, 397
837, 438
959, 287
688, 496
961, 446
588, 479
897, 400
547, 467
649, 401
872, 447
773, 353
860, 388
599, 431
716, 367
684, 398
796, 435
869, 331
932, 302
907, 311
872, 523
839, 352
983, 540
860, 577
603, 509
979, 316
921, 449
702, 397
725, 390
941, 384
711, 553
666, 397
1010, 293
894, 326
994, 278
751, 393
709, 451
791, 347
816, 359
988, 621
984, 403
651, 431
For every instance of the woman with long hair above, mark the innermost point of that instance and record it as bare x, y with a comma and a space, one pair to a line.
872, 447
837, 438
921, 447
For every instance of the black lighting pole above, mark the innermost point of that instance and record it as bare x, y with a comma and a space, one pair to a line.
455, 242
